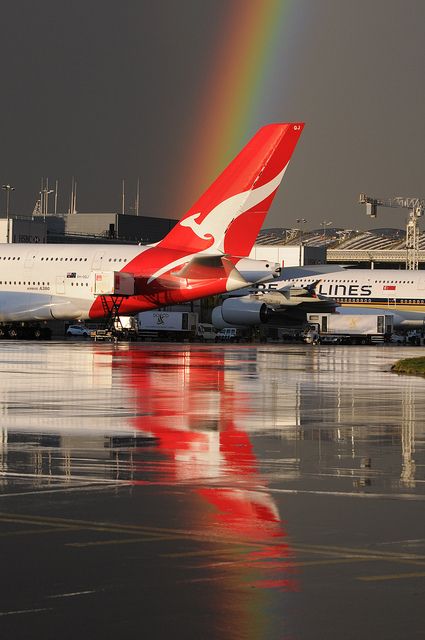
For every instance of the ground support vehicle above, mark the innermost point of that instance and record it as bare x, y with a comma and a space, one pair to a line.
125, 328
103, 335
170, 326
229, 334
335, 328
25, 331
206, 332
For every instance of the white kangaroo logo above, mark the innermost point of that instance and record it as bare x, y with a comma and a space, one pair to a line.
217, 221
195, 226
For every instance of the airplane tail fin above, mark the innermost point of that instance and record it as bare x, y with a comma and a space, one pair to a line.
229, 215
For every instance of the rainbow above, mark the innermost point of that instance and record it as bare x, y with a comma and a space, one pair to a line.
231, 106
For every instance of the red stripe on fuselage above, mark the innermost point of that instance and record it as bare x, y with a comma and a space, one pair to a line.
167, 289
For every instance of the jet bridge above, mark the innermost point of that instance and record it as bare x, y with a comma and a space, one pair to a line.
113, 287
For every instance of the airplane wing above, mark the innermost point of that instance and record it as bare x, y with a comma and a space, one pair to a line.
296, 304
297, 314
242, 271
287, 306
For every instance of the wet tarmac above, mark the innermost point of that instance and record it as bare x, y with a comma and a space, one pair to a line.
210, 491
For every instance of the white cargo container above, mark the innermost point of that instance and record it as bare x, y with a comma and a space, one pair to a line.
167, 325
353, 328
113, 283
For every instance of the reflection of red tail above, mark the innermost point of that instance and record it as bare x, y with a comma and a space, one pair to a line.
186, 402
188, 405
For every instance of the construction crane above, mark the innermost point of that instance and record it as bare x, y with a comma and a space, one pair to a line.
416, 208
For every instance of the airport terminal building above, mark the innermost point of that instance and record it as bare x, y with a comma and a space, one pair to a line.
377, 248
85, 228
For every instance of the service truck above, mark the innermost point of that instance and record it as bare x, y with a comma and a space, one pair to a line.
344, 328
167, 325
206, 332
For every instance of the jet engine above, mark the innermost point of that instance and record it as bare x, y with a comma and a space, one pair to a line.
240, 312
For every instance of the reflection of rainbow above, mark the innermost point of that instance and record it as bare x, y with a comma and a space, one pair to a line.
247, 45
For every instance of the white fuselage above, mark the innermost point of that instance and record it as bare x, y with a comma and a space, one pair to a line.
57, 281
45, 281
400, 292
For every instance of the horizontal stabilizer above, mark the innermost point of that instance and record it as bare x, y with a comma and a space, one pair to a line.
200, 266
213, 266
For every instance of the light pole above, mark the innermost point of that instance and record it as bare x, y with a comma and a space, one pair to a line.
44, 196
301, 222
324, 224
8, 188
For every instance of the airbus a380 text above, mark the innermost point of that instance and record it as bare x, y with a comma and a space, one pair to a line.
204, 254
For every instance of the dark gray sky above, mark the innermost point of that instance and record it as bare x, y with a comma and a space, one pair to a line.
105, 90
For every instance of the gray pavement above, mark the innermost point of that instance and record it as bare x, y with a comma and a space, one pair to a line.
211, 491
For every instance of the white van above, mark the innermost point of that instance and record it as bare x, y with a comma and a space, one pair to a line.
205, 332
228, 334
